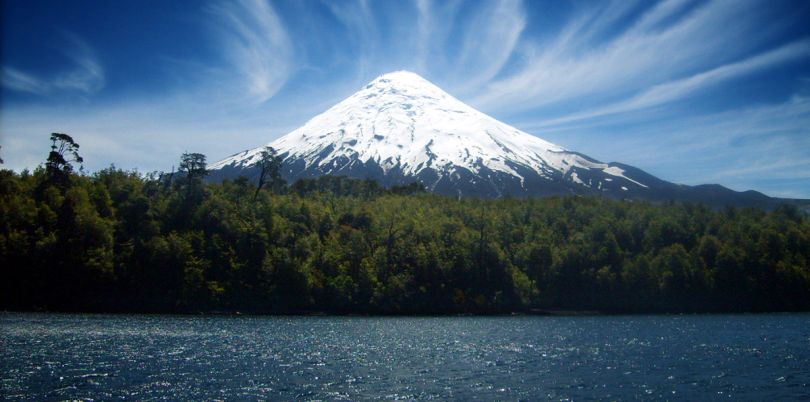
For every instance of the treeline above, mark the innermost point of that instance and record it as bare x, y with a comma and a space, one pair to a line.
121, 241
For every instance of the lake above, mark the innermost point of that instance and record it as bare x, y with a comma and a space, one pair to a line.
692, 357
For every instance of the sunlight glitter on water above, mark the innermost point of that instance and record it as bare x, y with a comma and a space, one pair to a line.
623, 357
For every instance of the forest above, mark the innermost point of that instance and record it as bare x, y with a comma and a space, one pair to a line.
122, 241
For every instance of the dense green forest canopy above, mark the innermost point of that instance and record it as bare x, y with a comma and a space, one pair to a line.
121, 241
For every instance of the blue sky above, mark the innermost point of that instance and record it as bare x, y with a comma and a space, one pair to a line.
690, 91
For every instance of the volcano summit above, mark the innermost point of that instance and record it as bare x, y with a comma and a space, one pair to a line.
400, 128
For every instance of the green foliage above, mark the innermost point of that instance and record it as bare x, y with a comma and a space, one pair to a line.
193, 166
64, 152
269, 166
120, 241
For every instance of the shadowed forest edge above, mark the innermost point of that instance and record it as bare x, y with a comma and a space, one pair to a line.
120, 241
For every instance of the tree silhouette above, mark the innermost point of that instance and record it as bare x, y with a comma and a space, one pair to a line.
269, 165
64, 152
193, 165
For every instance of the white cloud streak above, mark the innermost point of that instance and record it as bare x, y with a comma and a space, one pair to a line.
86, 76
358, 18
424, 26
256, 44
678, 89
225, 102
490, 41
576, 67
435, 22
23, 82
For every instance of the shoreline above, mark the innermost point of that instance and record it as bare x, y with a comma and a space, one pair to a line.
536, 313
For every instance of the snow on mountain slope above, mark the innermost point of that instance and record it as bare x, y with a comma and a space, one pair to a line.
405, 126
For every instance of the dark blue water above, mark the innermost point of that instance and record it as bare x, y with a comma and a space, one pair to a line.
749, 357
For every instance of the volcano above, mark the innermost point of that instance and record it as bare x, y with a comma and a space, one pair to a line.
401, 128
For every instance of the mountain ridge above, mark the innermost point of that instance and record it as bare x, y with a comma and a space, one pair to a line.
401, 128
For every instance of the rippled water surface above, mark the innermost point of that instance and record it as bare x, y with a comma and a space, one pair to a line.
754, 357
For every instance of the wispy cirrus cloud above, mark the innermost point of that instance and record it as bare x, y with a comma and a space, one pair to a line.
673, 90
489, 42
358, 19
587, 62
253, 60
435, 21
86, 75
20, 81
255, 43
462, 44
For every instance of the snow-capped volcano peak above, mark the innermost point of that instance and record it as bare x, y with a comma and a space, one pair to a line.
400, 125
406, 81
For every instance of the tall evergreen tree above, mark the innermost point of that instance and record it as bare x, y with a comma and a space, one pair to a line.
269, 171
